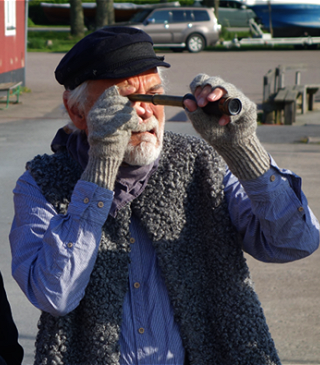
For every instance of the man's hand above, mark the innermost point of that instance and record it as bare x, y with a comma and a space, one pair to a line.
204, 96
234, 137
109, 122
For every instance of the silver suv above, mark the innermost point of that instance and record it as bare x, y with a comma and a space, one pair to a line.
179, 28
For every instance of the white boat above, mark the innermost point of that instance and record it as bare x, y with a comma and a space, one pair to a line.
288, 18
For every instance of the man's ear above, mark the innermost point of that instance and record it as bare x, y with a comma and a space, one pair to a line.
78, 117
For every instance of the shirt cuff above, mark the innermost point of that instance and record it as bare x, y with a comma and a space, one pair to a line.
272, 183
90, 202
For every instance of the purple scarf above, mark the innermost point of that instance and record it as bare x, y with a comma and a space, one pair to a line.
131, 180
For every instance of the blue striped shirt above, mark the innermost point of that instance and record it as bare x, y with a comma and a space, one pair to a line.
53, 255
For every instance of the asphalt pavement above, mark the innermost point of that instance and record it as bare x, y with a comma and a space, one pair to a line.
289, 293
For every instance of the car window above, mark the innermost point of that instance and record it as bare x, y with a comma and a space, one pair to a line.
201, 15
189, 16
161, 16
178, 16
140, 15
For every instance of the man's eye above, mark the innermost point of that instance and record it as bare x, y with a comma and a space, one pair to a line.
158, 92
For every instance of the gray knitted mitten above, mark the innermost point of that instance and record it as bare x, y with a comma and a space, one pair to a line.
110, 122
237, 141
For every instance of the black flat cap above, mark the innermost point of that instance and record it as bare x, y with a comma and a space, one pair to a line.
108, 53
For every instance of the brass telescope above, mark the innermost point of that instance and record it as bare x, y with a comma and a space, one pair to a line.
228, 106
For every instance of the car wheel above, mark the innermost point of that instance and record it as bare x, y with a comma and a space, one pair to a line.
195, 43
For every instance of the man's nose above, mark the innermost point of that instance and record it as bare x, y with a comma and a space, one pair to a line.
143, 110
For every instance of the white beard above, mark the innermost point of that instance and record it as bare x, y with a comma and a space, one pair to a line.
149, 148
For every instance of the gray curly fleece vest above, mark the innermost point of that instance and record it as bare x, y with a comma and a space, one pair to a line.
185, 214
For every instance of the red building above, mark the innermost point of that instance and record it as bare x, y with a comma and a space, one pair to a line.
12, 40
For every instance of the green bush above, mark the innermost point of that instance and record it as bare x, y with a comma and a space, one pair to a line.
226, 35
30, 23
50, 41
37, 16
35, 43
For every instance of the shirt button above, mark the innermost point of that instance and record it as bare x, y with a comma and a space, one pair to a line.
301, 209
136, 285
100, 205
141, 330
132, 240
70, 244
86, 200
272, 178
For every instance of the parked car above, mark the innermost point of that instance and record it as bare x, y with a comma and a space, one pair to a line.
178, 28
234, 14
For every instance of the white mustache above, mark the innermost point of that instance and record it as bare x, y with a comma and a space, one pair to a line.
152, 123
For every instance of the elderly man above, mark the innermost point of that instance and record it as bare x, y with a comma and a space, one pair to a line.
130, 239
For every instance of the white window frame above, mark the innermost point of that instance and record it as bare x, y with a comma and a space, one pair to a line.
9, 17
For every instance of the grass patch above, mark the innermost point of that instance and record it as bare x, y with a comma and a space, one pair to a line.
25, 90
51, 41
227, 35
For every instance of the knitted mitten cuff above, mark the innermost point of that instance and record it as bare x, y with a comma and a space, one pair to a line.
102, 171
248, 160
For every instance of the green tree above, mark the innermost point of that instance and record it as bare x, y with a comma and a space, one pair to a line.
212, 4
76, 18
104, 13
216, 8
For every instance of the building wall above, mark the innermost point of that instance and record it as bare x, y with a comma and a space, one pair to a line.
12, 44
